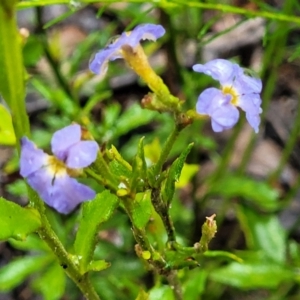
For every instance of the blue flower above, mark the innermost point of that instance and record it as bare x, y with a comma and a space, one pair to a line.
237, 90
98, 64
50, 175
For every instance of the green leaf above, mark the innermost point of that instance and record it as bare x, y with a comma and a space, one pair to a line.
16, 272
139, 169
94, 213
7, 134
16, 221
222, 254
98, 265
52, 283
141, 209
188, 171
118, 165
174, 174
32, 242
252, 275
264, 232
161, 292
259, 193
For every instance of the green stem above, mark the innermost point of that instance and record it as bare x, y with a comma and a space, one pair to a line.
12, 82
175, 285
175, 3
48, 235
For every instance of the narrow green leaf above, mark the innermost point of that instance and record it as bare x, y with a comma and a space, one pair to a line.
7, 134
139, 169
16, 272
222, 254
259, 193
141, 209
264, 232
174, 174
17, 222
252, 275
94, 213
52, 283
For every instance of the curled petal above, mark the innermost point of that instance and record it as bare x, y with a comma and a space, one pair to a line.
63, 139
98, 64
82, 154
219, 69
145, 32
32, 158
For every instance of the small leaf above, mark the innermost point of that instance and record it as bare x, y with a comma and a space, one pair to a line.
16, 272
94, 213
7, 134
222, 254
174, 174
16, 221
141, 209
258, 193
252, 275
139, 169
52, 283
152, 151
118, 165
98, 265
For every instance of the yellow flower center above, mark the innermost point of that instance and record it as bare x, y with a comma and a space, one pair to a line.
56, 166
229, 90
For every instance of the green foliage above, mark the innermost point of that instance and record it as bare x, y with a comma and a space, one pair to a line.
94, 213
16, 221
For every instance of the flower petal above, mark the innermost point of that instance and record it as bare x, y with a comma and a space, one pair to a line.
82, 154
219, 69
41, 181
226, 116
245, 84
145, 32
66, 193
63, 139
209, 100
98, 64
32, 158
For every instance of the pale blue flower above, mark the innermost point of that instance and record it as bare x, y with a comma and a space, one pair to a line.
49, 175
98, 64
237, 90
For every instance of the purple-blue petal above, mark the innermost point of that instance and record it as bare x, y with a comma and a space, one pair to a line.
63, 139
66, 193
245, 84
210, 99
219, 69
145, 32
41, 181
98, 64
226, 116
82, 154
32, 158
